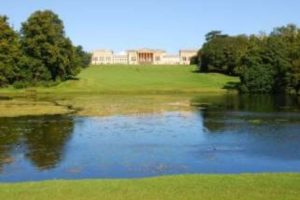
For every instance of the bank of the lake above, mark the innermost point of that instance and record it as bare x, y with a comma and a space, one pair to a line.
116, 89
221, 187
100, 105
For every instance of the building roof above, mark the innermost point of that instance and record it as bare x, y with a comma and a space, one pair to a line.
122, 53
119, 56
146, 50
103, 50
188, 50
171, 56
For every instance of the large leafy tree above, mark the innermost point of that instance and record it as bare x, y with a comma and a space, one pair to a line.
289, 36
212, 55
48, 50
9, 53
214, 34
256, 73
83, 58
264, 66
222, 53
293, 77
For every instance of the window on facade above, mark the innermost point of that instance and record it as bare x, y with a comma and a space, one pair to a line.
157, 58
133, 59
184, 58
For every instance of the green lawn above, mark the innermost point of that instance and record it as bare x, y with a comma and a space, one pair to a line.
206, 187
125, 79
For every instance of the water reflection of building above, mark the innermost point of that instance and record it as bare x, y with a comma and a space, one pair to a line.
143, 56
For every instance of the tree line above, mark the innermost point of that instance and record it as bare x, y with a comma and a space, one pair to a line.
40, 53
265, 63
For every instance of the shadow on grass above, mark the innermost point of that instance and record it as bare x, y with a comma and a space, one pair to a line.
73, 78
232, 86
5, 98
197, 71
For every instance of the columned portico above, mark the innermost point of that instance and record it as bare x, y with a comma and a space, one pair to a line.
145, 57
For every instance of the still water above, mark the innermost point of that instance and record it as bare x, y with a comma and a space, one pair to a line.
231, 134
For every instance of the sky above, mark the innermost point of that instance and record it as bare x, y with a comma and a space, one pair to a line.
165, 24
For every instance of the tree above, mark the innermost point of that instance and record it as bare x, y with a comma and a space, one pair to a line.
194, 60
222, 53
264, 66
213, 35
9, 53
45, 44
234, 50
289, 36
212, 56
258, 79
83, 57
293, 77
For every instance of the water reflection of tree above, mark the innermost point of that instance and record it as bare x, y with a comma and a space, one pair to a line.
226, 108
43, 138
213, 121
46, 140
263, 140
9, 138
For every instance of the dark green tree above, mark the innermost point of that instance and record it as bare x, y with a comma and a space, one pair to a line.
83, 57
263, 66
258, 79
46, 46
223, 53
289, 36
213, 35
9, 53
293, 77
212, 55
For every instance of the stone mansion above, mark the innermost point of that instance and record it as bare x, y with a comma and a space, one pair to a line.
143, 56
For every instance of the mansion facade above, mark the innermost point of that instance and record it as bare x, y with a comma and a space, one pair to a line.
142, 56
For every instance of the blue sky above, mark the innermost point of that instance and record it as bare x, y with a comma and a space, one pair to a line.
166, 24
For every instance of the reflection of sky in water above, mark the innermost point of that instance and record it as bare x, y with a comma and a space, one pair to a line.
153, 144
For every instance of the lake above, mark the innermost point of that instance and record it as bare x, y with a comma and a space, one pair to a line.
221, 134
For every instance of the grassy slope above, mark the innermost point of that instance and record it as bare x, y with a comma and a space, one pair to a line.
221, 187
141, 79
146, 79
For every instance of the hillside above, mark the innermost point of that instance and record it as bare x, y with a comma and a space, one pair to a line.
120, 79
